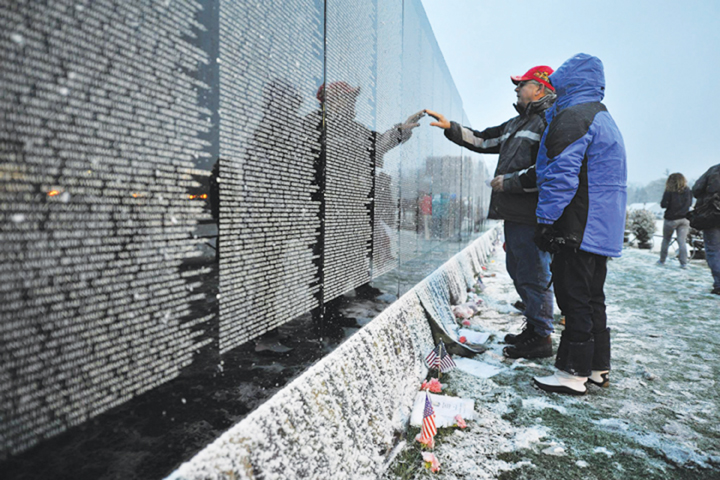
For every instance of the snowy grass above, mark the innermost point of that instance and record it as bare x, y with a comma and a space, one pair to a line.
660, 417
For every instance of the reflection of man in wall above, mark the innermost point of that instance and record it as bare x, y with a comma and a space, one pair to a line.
514, 199
354, 153
272, 213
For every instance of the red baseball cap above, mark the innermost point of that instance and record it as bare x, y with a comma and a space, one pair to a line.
540, 74
337, 88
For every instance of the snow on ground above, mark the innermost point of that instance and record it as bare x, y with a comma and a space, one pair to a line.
660, 417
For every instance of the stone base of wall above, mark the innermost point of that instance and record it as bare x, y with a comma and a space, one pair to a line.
344, 416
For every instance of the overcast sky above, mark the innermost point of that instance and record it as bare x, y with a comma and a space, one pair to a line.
662, 68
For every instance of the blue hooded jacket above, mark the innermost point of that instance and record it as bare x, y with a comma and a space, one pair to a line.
581, 163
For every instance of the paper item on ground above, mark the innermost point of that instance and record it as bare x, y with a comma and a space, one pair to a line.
472, 336
479, 369
445, 409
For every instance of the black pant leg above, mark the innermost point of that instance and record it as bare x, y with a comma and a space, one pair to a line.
601, 333
573, 273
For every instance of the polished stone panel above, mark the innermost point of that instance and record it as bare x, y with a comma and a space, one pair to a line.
178, 177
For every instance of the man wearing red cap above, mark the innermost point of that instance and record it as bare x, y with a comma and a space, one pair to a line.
514, 200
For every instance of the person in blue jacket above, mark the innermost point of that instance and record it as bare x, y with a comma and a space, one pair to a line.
582, 181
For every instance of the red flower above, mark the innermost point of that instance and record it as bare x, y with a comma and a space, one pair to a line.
433, 385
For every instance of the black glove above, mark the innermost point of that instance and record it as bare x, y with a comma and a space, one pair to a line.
547, 239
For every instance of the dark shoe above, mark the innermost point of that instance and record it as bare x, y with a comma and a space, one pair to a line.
601, 379
520, 305
512, 338
532, 346
715, 290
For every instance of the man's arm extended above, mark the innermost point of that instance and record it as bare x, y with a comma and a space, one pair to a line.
487, 141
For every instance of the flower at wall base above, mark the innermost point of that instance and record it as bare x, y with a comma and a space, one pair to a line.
462, 339
431, 462
459, 421
428, 442
433, 385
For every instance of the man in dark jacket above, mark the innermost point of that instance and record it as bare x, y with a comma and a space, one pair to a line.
704, 189
582, 178
514, 198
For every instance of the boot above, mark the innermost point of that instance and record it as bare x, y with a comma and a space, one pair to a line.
512, 338
575, 357
532, 346
600, 378
562, 382
601, 351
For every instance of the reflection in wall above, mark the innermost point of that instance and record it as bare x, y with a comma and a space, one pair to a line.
179, 177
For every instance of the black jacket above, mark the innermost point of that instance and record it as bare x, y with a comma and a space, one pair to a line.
517, 142
676, 204
707, 185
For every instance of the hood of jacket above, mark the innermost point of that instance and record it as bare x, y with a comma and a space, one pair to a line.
581, 79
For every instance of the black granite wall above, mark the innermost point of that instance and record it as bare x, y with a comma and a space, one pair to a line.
178, 177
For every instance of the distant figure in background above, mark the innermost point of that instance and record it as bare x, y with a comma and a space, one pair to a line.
514, 198
426, 212
676, 201
704, 189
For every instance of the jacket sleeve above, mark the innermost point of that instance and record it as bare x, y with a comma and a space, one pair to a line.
488, 141
386, 141
522, 181
698, 189
564, 146
665, 202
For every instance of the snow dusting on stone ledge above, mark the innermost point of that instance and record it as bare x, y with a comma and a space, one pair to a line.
345, 415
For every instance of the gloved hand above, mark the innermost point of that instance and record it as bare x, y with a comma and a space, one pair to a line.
546, 238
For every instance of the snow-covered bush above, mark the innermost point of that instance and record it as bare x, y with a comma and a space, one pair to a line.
642, 224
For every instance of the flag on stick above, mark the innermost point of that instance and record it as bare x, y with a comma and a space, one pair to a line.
440, 359
428, 423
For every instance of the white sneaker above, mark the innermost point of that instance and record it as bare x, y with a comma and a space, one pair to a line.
562, 382
601, 378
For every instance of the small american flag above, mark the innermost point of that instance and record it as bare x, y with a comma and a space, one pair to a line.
428, 424
439, 359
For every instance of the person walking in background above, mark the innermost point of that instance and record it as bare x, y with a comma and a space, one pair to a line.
425, 207
582, 178
676, 201
514, 198
706, 187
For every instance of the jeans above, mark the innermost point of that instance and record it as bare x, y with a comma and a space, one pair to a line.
579, 279
711, 236
681, 225
529, 268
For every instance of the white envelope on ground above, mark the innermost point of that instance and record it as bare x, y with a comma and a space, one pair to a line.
479, 369
445, 409
472, 336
